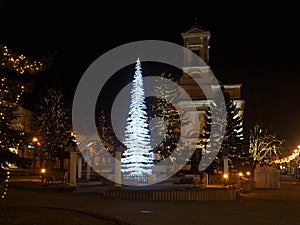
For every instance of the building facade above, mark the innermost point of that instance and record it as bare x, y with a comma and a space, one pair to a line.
196, 39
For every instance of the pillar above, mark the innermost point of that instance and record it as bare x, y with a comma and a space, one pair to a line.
225, 165
79, 166
73, 159
118, 176
88, 171
225, 171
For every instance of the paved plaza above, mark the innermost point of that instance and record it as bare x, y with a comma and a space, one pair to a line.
29, 202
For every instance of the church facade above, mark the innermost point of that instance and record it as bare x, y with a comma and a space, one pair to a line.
196, 39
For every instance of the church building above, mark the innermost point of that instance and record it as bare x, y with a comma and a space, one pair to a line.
197, 39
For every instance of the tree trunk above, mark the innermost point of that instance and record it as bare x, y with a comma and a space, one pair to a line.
195, 160
194, 167
61, 163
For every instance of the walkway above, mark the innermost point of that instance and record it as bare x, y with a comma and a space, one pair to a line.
27, 200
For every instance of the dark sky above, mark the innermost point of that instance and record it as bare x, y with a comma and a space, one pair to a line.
253, 45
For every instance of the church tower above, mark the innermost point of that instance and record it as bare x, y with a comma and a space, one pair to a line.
197, 39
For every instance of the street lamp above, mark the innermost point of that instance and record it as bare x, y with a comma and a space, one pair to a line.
36, 143
225, 176
240, 180
248, 174
43, 171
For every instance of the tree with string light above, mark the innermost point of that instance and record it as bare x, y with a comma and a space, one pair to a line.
264, 144
170, 125
233, 140
12, 65
52, 123
137, 159
106, 132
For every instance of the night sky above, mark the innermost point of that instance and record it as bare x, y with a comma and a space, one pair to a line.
253, 45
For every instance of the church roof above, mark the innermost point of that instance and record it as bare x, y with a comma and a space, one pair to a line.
196, 27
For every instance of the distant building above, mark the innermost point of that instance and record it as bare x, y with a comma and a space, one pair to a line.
23, 124
24, 120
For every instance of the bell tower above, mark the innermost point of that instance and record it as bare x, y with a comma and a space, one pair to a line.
196, 39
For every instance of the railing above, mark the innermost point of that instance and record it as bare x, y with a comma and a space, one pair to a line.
205, 194
138, 178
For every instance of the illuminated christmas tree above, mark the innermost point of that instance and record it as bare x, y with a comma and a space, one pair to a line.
137, 160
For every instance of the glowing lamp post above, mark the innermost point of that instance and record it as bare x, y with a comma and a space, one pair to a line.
248, 174
34, 140
240, 180
225, 177
225, 166
43, 172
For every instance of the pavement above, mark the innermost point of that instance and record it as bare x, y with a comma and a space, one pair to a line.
28, 201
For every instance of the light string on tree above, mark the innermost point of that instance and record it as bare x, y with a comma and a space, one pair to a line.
289, 158
4, 186
11, 92
19, 63
6, 95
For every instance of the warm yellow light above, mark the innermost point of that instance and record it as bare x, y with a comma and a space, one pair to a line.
248, 173
43, 170
34, 139
225, 176
240, 174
